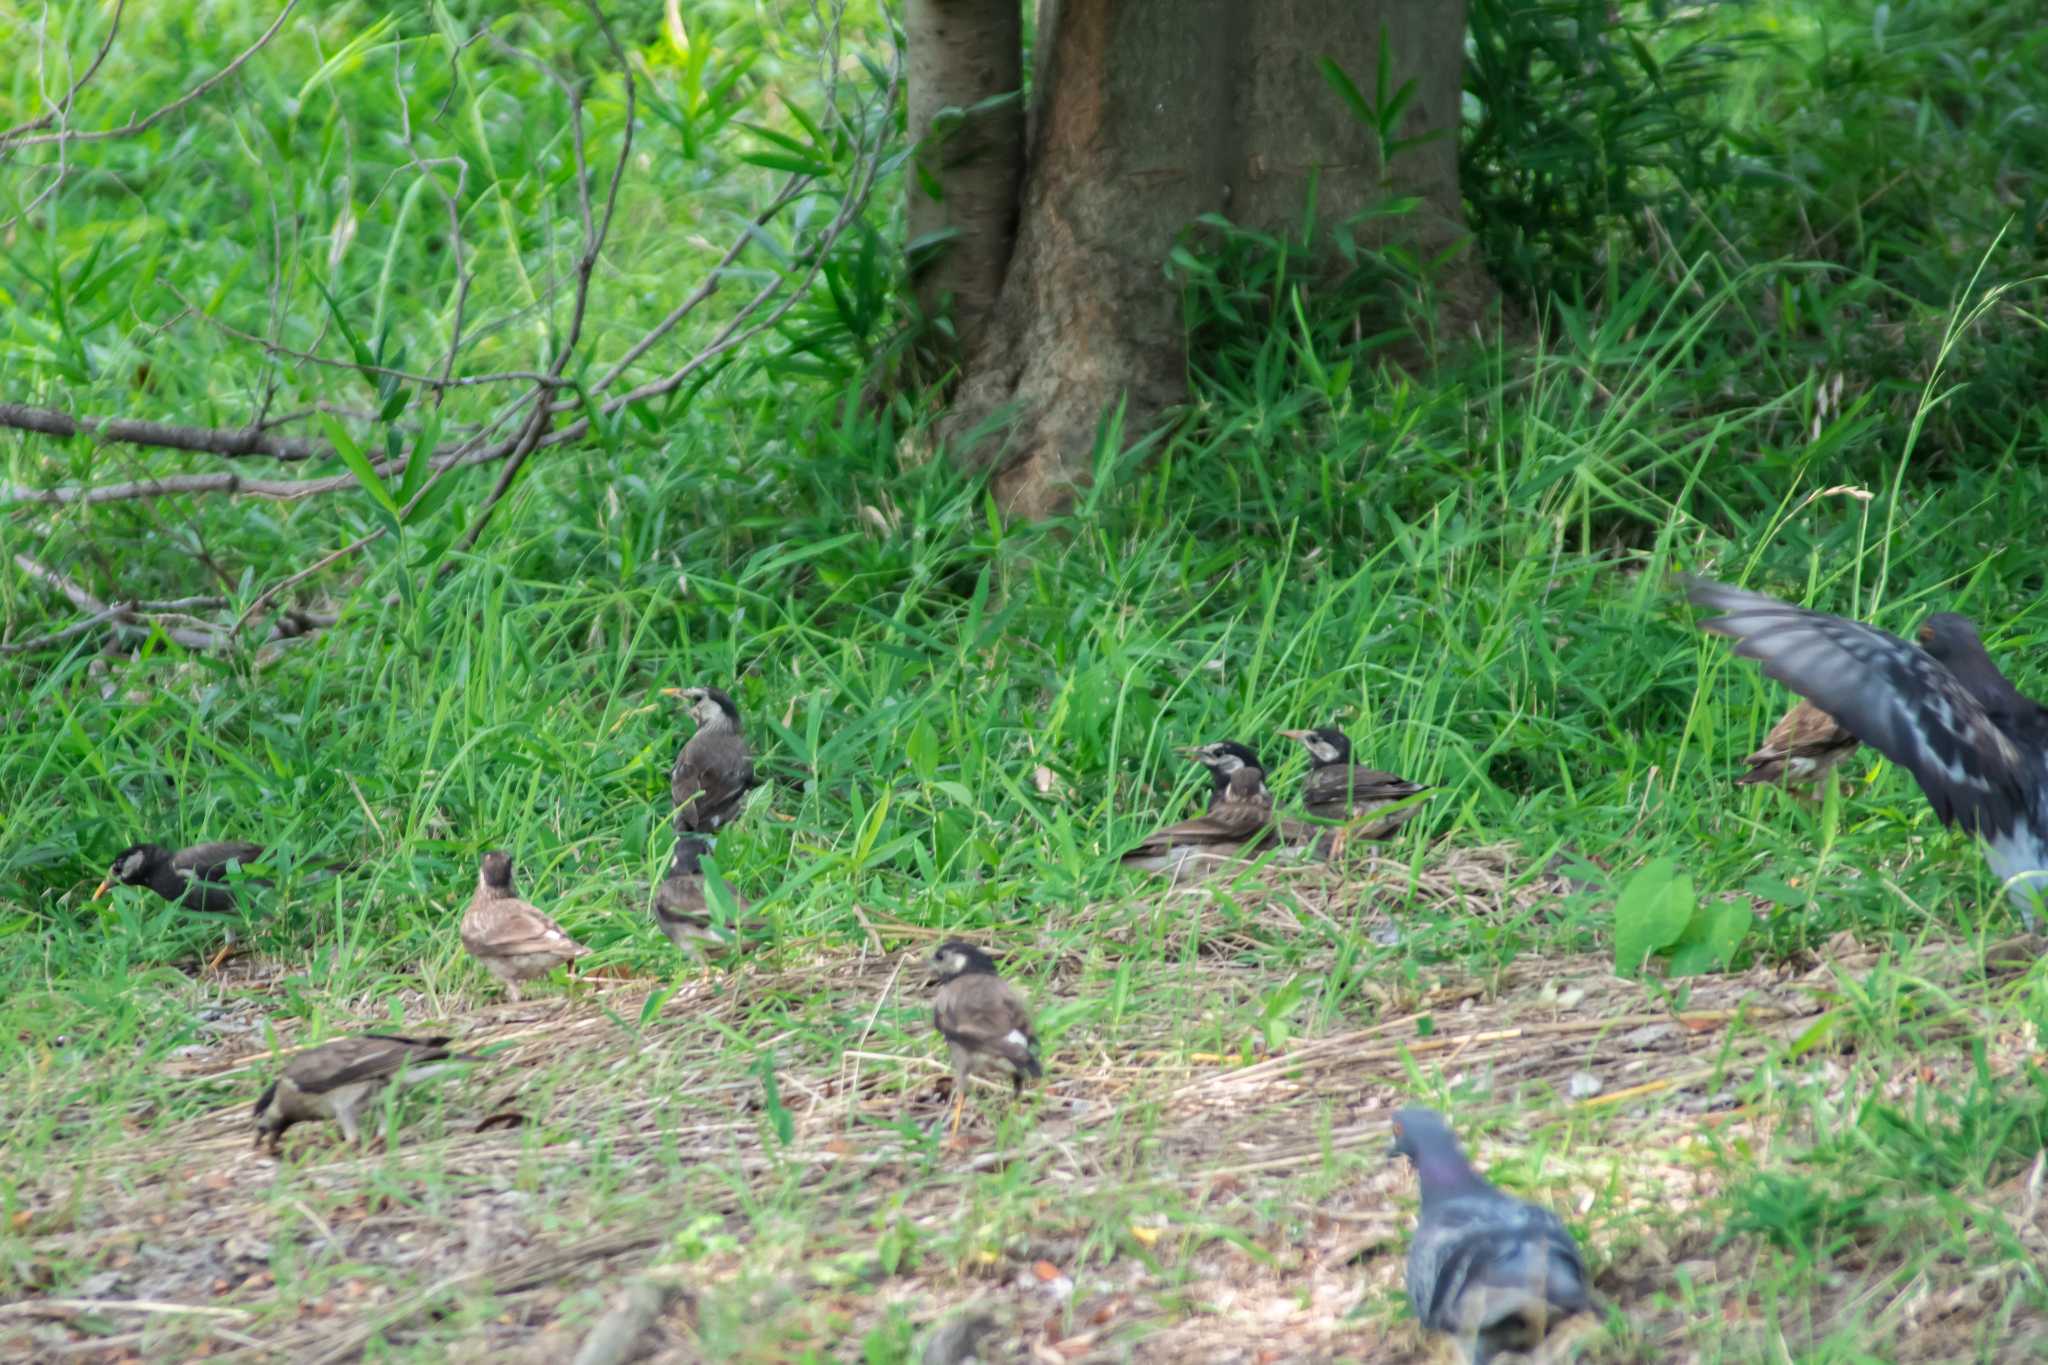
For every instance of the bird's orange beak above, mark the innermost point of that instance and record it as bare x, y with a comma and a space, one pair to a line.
671, 691
104, 884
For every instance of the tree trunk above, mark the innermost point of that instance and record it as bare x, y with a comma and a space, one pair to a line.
1145, 115
967, 62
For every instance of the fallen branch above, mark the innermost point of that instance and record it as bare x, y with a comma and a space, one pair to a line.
551, 407
244, 441
140, 618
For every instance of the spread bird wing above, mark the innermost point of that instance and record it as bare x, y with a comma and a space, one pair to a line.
511, 928
984, 1013
368, 1057
1482, 1259
1891, 695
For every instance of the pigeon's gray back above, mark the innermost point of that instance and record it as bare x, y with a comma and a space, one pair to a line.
1494, 1271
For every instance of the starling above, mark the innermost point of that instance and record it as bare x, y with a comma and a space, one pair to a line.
714, 772
1492, 1272
514, 941
1239, 819
1800, 748
682, 908
194, 877
983, 1021
1941, 710
337, 1080
1340, 791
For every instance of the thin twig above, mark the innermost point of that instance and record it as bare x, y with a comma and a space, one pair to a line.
10, 141
63, 106
594, 235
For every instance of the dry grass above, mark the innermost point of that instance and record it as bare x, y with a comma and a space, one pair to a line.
1153, 1202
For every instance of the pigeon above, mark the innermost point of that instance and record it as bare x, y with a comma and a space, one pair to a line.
336, 1080
963, 1339
195, 877
1800, 748
983, 1020
683, 910
714, 772
1492, 1272
1340, 791
514, 940
1239, 819
1939, 709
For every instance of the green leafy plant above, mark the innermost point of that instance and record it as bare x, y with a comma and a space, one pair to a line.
1657, 912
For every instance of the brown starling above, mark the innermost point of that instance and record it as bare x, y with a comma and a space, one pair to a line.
514, 941
982, 1019
1941, 710
1239, 820
683, 909
714, 772
1799, 749
337, 1080
1342, 792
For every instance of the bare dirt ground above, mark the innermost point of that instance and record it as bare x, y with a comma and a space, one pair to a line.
1152, 1203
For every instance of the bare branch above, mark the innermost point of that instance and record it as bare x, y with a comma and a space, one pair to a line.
284, 585
22, 139
594, 235
58, 637
315, 358
246, 441
124, 615
63, 106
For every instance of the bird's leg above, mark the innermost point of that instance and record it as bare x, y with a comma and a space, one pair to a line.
345, 1115
959, 1105
512, 991
227, 950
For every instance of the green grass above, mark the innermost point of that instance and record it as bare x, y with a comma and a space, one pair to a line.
1832, 1162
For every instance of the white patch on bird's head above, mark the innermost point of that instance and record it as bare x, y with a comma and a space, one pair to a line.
1322, 749
1225, 757
131, 865
955, 958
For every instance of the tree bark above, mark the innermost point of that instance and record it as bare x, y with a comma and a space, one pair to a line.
1145, 115
965, 55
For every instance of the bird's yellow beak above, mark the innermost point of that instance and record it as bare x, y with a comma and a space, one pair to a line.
671, 691
104, 884
1296, 735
